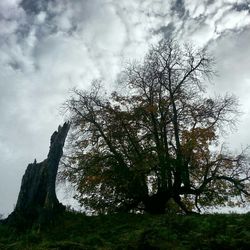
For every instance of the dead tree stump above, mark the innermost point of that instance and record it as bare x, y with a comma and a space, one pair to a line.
37, 194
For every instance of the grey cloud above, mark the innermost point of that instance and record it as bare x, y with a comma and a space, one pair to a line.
23, 31
34, 7
167, 30
210, 19
242, 6
15, 65
178, 6
210, 2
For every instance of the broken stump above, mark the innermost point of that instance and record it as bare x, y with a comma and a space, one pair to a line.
37, 195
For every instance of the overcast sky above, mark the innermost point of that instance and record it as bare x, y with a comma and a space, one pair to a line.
47, 47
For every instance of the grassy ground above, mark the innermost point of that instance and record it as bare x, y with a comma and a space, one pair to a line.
128, 231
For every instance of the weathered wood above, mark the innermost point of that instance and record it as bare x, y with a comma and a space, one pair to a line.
37, 190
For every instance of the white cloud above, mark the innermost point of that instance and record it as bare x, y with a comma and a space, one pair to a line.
41, 17
234, 20
234, 77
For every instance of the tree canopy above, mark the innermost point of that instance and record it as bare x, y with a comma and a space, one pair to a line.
156, 142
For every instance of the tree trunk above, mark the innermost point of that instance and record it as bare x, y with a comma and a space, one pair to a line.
37, 192
156, 204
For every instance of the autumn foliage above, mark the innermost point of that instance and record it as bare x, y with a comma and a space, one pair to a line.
153, 145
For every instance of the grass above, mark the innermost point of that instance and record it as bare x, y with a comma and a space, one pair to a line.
130, 231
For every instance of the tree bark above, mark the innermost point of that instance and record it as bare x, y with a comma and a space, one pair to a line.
156, 204
37, 192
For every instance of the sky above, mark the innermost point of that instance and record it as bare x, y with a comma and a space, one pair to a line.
48, 47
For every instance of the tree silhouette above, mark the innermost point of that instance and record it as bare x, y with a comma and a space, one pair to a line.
156, 141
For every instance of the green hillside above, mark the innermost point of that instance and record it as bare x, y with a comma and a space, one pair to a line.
130, 231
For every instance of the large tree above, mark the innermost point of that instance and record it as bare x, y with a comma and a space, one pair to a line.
156, 141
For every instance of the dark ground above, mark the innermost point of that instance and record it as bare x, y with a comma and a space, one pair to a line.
129, 231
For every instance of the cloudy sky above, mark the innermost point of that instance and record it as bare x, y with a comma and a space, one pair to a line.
47, 47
